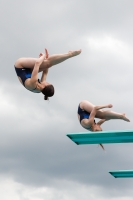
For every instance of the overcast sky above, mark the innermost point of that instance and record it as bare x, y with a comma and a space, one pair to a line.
37, 160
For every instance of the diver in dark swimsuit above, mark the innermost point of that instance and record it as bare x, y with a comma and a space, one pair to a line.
88, 111
27, 70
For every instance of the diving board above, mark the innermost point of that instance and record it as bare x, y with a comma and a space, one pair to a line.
123, 136
122, 173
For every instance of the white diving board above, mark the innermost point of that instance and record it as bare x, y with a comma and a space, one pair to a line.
104, 137
122, 173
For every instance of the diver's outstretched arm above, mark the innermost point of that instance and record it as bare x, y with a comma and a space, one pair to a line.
96, 108
44, 75
103, 106
34, 75
45, 71
93, 113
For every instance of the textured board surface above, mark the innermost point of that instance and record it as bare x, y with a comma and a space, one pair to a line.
122, 173
123, 136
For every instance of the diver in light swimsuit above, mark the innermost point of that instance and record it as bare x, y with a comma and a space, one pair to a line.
27, 70
87, 112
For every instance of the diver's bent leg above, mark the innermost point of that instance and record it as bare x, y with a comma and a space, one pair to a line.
107, 114
86, 105
25, 63
58, 58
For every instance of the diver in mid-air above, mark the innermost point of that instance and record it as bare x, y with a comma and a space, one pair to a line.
27, 70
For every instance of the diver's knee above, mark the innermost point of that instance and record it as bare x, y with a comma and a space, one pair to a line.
18, 62
47, 63
101, 114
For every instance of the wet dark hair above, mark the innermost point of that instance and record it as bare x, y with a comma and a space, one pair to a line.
48, 91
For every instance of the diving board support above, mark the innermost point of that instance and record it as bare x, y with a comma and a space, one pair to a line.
122, 173
104, 137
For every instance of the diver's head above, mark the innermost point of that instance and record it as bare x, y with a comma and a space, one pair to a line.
48, 91
96, 127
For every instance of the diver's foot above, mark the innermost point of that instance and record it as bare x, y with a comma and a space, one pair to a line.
125, 118
74, 53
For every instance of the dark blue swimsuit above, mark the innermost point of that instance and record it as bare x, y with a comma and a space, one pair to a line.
83, 114
24, 73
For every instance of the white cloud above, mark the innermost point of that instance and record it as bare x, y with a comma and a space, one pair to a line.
9, 189
107, 44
